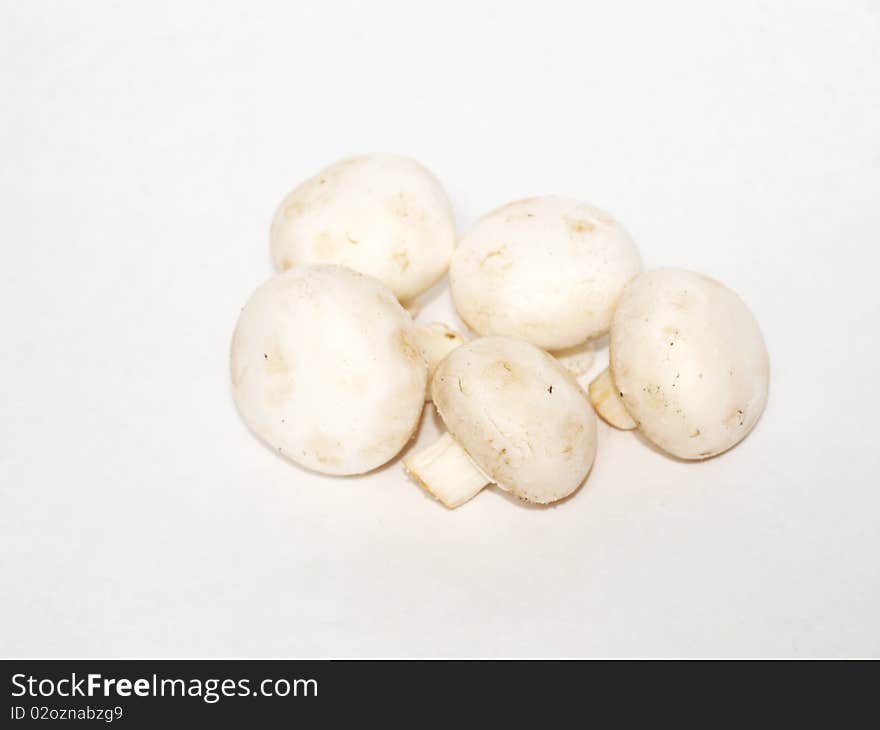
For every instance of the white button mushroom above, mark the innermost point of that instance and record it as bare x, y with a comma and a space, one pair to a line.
688, 364
547, 270
326, 371
382, 215
515, 417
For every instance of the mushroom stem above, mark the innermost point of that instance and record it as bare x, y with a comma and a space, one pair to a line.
445, 471
577, 359
606, 399
435, 341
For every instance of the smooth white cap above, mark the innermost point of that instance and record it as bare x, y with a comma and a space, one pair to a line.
689, 361
382, 215
546, 270
325, 369
519, 415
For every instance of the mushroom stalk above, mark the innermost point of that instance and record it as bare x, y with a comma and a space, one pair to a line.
446, 472
435, 341
607, 401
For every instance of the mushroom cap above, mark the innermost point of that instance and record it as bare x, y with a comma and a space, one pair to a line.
325, 370
519, 415
547, 270
689, 361
382, 215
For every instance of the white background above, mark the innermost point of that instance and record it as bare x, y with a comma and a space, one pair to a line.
143, 149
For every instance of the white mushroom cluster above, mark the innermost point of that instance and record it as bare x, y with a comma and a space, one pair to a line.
331, 371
